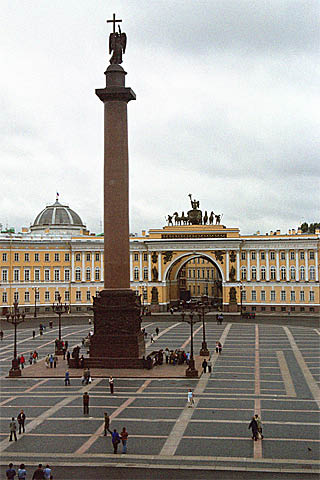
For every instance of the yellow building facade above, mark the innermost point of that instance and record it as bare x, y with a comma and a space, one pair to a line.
261, 273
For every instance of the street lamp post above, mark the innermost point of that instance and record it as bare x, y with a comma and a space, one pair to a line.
36, 289
191, 370
204, 352
15, 318
241, 290
59, 309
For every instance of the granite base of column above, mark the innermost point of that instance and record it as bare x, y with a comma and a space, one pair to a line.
117, 341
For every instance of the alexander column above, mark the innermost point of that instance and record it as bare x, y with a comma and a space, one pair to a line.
117, 340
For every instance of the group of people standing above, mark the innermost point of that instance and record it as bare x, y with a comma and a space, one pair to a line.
39, 474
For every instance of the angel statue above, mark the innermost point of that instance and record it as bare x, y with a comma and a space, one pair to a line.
117, 45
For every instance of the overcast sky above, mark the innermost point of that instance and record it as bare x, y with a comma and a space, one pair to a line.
227, 109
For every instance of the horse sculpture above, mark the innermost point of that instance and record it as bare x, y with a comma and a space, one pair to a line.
179, 220
211, 218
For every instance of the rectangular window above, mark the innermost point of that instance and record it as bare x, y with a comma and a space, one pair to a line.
4, 275
198, 273
273, 295
88, 257
4, 297
47, 296
136, 273
243, 255
4, 257
27, 297
56, 296
301, 255
272, 256
244, 295
136, 257
253, 255
66, 296
145, 294
26, 257
145, 274
263, 295
253, 295
78, 257
78, 295
16, 296
97, 257
291, 255
97, 274
36, 257
88, 274
47, 257
37, 275
78, 274
47, 275
16, 257
145, 257
16, 275
88, 295
293, 296
67, 275
311, 255
282, 255
37, 295
311, 296
56, 257
57, 275
262, 255
27, 275
301, 295
283, 295
67, 257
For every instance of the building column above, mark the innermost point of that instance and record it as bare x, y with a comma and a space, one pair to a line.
159, 267
267, 266
227, 266
316, 265
248, 266
140, 266
83, 278
238, 266
72, 266
287, 266
297, 266
101, 266
277, 266
258, 265
149, 267
306, 265
92, 266
131, 267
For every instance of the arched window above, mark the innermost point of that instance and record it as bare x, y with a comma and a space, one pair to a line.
273, 273
292, 273
88, 274
302, 273
145, 273
263, 273
78, 274
283, 273
312, 275
243, 273
253, 273
97, 274
136, 273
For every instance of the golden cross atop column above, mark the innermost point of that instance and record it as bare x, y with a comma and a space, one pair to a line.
114, 21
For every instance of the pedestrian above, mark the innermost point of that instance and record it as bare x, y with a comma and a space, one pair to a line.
190, 398
115, 440
48, 472
106, 424
51, 360
111, 384
21, 421
209, 362
30, 358
219, 347
157, 331
22, 361
259, 423
13, 430
10, 472
66, 344
51, 324
68, 356
33, 333
1, 334
38, 474
254, 427
55, 361
171, 311
166, 352
124, 437
35, 356
204, 366
145, 335
64, 351
151, 338
47, 361
81, 361
22, 472
85, 399
67, 378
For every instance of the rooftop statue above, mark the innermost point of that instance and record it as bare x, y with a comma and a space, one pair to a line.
117, 42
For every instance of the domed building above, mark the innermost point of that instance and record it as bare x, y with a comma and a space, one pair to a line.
59, 219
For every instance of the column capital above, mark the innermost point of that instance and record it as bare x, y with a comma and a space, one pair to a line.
120, 94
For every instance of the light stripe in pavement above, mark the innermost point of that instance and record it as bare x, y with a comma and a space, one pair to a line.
287, 380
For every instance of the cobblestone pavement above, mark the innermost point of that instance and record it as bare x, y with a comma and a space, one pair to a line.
269, 370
